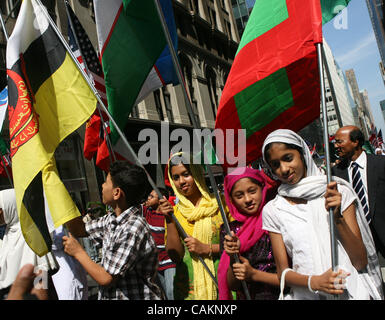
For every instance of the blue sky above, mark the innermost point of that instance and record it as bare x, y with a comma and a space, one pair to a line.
356, 47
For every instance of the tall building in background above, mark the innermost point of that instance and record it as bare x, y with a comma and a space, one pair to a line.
242, 10
366, 105
363, 114
376, 13
340, 112
382, 105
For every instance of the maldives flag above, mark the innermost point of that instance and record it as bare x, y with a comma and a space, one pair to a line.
274, 80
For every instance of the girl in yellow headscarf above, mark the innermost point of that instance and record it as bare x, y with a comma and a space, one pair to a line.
198, 213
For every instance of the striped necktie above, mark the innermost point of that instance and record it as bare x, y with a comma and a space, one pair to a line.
358, 187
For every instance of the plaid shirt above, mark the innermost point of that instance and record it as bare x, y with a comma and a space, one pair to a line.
129, 251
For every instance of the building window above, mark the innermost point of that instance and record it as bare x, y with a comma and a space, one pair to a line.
212, 88
194, 6
158, 104
167, 103
135, 112
213, 18
11, 7
186, 66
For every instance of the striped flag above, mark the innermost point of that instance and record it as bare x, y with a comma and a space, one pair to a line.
48, 100
379, 139
85, 53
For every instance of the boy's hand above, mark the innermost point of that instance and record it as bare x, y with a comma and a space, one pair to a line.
71, 246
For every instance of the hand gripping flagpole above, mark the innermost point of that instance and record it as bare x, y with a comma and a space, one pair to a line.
97, 95
333, 243
196, 126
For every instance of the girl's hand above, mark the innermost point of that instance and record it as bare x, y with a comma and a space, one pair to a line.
242, 271
195, 246
330, 282
231, 244
333, 199
166, 209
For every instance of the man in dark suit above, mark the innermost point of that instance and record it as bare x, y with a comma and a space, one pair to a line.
348, 144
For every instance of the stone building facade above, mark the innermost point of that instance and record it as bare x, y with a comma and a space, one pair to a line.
207, 42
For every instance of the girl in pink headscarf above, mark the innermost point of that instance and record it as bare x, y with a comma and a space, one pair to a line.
246, 192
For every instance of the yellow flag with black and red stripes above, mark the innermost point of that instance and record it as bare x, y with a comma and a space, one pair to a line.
48, 100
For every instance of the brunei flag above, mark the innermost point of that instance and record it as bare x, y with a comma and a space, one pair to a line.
48, 100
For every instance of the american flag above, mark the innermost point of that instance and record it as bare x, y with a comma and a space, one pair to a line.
84, 51
379, 139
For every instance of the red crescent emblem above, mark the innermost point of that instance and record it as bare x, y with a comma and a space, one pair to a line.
23, 122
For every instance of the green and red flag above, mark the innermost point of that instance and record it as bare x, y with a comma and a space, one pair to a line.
330, 8
274, 80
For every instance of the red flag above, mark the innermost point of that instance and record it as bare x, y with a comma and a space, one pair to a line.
274, 80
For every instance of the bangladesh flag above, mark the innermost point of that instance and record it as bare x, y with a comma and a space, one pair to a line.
274, 80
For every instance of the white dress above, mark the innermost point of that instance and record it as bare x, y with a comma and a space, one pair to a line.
305, 232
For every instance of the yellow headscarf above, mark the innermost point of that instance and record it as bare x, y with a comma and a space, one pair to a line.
196, 221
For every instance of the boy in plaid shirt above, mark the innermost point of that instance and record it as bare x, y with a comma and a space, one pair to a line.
129, 254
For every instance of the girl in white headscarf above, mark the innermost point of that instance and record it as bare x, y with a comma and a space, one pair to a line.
297, 221
14, 251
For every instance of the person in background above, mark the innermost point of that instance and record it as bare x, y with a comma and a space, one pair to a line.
15, 252
366, 174
156, 221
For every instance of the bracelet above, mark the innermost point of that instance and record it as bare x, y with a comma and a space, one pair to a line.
211, 250
309, 285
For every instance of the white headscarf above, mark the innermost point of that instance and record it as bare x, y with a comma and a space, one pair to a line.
314, 186
15, 252
290, 137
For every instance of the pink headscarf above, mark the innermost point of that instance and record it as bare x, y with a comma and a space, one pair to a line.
251, 230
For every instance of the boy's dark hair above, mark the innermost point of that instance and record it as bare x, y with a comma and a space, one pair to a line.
131, 179
357, 135
163, 191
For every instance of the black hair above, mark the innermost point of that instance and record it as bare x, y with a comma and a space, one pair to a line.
131, 179
288, 146
259, 183
357, 135
177, 160
163, 192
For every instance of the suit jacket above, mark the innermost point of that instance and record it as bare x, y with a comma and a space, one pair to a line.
375, 171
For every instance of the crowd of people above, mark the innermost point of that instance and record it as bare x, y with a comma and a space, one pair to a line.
173, 244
